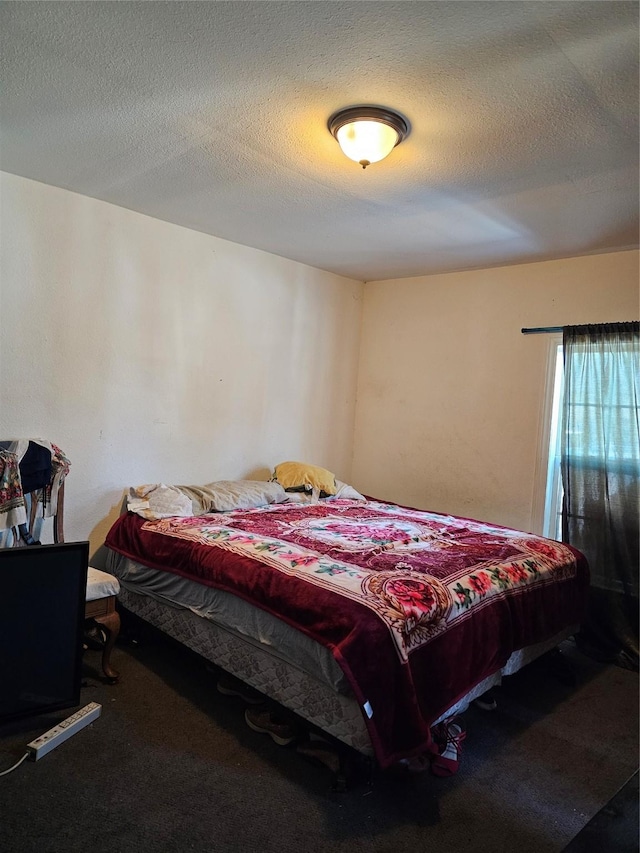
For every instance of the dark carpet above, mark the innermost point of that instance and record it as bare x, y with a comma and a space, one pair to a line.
172, 766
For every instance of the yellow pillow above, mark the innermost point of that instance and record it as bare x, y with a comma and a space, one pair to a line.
297, 475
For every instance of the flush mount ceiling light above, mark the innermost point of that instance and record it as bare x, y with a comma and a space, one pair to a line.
368, 134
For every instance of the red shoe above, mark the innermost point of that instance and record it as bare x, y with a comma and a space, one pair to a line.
448, 736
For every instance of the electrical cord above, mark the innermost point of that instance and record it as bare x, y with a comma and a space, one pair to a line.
16, 765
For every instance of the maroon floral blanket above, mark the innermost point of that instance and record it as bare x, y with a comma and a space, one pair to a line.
416, 607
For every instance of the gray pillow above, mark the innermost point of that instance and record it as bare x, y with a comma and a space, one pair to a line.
226, 495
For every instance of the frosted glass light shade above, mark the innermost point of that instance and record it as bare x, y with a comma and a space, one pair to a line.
367, 134
367, 142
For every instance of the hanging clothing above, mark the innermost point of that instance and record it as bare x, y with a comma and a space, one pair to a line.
29, 466
35, 467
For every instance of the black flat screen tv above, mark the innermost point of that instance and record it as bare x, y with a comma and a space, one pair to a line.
42, 602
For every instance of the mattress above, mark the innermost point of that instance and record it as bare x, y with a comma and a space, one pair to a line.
417, 610
266, 653
256, 626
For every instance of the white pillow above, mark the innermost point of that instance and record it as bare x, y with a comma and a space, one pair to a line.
300, 498
345, 492
155, 500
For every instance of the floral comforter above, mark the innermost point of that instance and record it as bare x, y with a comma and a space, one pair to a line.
416, 607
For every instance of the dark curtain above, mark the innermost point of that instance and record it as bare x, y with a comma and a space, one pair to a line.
600, 474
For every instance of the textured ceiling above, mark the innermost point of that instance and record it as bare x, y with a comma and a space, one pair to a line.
212, 115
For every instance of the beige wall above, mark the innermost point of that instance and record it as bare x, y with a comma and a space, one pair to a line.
152, 353
450, 393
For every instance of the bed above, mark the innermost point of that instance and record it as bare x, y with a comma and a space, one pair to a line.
370, 620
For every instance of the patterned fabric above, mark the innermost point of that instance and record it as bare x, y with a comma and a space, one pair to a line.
12, 506
391, 561
400, 596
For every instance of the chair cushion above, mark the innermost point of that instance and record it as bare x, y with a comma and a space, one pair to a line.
101, 584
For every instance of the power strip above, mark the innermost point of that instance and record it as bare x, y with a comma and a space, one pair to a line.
39, 747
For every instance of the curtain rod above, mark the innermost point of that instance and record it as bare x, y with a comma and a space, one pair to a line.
541, 330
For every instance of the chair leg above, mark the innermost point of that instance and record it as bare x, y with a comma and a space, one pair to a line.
111, 624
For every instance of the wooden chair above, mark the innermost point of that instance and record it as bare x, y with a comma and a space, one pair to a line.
102, 588
100, 611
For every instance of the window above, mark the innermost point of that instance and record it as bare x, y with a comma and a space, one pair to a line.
552, 519
601, 398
